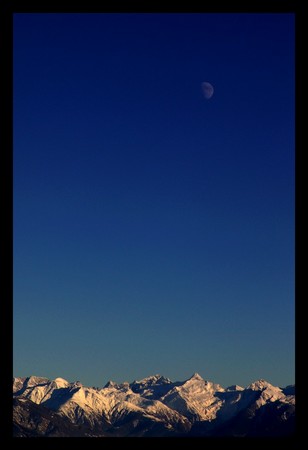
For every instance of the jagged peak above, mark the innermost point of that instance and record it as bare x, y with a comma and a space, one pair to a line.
60, 382
196, 376
34, 380
110, 384
76, 384
235, 387
153, 379
260, 385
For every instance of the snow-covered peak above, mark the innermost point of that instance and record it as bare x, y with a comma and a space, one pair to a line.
234, 387
18, 383
196, 383
194, 398
110, 383
61, 382
259, 385
152, 380
154, 398
268, 392
76, 385
196, 377
34, 381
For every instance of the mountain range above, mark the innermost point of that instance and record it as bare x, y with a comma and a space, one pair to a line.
152, 407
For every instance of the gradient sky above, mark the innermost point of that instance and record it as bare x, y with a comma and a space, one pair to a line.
154, 229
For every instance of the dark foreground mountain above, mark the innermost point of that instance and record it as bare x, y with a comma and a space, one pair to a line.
152, 407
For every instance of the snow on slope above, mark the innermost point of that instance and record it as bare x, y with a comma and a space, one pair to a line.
110, 403
269, 393
174, 405
195, 398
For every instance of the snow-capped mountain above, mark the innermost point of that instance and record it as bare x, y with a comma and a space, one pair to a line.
154, 406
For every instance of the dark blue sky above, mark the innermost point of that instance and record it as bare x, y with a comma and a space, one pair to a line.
154, 229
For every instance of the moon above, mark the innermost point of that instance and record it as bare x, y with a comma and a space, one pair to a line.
207, 89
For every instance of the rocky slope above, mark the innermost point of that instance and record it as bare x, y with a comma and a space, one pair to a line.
154, 406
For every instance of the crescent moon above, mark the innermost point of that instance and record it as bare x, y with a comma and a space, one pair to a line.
207, 89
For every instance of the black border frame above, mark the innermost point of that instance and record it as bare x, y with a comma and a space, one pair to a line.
7, 10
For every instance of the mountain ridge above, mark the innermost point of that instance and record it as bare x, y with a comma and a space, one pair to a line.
152, 406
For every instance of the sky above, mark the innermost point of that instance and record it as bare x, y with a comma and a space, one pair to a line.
153, 227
